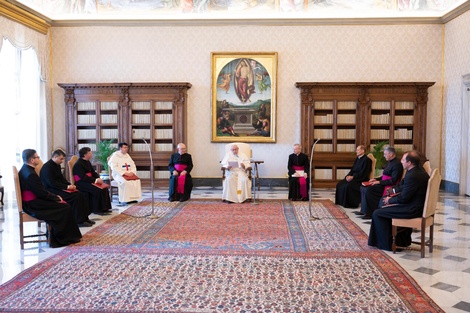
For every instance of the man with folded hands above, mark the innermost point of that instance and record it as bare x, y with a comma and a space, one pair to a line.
348, 190
46, 206
124, 172
298, 167
181, 183
370, 195
405, 201
55, 182
88, 181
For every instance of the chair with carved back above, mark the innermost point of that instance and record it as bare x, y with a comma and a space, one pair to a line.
113, 185
70, 165
374, 162
423, 222
25, 217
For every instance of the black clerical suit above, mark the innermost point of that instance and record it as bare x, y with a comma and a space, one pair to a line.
46, 206
370, 196
183, 159
85, 176
300, 160
348, 194
409, 203
55, 182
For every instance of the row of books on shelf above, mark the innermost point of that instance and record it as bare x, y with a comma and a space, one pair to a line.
323, 133
86, 119
86, 106
109, 119
323, 105
158, 133
109, 105
323, 119
341, 105
146, 105
157, 174
346, 118
157, 147
380, 118
386, 105
403, 133
91, 134
159, 119
404, 105
404, 119
341, 147
346, 133
379, 134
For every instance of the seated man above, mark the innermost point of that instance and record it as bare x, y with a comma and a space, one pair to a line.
46, 206
408, 203
348, 192
89, 181
236, 185
55, 182
181, 183
391, 176
299, 168
124, 173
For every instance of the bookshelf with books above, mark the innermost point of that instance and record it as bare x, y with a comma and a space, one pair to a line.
145, 115
345, 115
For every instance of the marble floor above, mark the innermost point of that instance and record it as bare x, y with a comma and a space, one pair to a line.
444, 275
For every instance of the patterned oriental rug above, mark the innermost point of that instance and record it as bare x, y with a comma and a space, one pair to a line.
206, 256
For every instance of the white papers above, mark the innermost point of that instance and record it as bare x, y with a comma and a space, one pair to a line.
300, 173
233, 164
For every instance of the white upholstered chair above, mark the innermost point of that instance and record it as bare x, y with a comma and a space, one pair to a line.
426, 220
242, 148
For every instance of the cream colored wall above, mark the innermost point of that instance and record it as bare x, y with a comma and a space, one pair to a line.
457, 64
305, 53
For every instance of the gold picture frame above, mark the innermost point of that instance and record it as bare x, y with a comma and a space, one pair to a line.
244, 96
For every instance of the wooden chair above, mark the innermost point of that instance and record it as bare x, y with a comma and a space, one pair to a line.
25, 217
70, 165
113, 185
427, 167
421, 223
374, 162
38, 167
2, 190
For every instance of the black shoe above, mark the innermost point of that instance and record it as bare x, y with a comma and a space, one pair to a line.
85, 224
103, 213
366, 217
90, 221
358, 213
184, 199
131, 202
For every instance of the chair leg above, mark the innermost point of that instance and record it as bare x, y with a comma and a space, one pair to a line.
423, 242
21, 234
394, 237
431, 238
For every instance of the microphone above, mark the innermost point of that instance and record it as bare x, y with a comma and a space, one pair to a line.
152, 215
312, 218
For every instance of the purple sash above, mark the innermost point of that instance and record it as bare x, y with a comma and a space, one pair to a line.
28, 195
181, 178
385, 177
77, 178
302, 181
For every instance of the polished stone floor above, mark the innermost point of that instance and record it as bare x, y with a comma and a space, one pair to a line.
444, 275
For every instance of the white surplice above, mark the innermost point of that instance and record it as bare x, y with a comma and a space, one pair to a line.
236, 185
129, 190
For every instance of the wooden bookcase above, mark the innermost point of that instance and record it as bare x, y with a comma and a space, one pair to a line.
145, 115
345, 115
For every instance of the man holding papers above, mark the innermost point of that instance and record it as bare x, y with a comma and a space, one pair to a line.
53, 180
299, 168
89, 181
236, 185
123, 169
181, 183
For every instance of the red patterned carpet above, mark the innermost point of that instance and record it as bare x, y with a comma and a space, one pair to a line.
206, 256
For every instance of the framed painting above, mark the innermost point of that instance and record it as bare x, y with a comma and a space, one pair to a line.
244, 97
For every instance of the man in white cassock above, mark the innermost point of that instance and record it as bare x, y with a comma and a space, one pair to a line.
236, 185
124, 172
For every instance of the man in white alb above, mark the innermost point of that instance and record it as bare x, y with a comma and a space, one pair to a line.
236, 185
124, 172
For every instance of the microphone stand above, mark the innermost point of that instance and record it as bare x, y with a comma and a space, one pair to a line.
152, 215
312, 218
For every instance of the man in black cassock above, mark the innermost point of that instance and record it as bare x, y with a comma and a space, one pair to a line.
46, 206
86, 179
370, 195
181, 183
55, 182
299, 169
348, 192
408, 203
